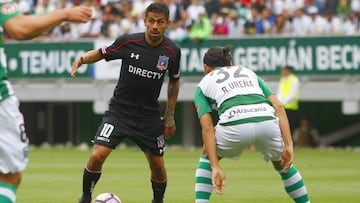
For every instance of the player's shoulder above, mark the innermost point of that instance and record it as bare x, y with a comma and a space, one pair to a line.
133, 37
171, 43
137, 35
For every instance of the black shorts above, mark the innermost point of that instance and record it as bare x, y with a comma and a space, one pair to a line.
148, 134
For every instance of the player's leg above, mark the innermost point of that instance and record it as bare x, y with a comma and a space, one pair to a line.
229, 145
269, 141
13, 148
8, 185
293, 183
158, 176
148, 134
203, 182
92, 171
106, 139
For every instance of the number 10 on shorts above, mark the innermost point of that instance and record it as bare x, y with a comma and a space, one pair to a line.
106, 130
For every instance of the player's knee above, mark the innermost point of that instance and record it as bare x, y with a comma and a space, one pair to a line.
158, 173
96, 161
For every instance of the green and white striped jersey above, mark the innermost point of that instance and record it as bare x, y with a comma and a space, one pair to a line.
8, 10
239, 95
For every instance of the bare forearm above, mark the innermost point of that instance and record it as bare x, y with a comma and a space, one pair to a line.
283, 120
210, 147
89, 57
208, 134
172, 93
25, 26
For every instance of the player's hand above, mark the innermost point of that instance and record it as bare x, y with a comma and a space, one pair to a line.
76, 64
169, 126
287, 158
79, 14
218, 180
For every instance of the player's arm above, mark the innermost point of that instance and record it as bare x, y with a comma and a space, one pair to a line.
288, 153
89, 57
172, 94
208, 135
25, 26
204, 110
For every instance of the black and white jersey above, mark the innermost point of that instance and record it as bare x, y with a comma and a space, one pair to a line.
142, 73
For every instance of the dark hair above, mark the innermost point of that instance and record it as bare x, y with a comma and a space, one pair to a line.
158, 8
290, 68
218, 56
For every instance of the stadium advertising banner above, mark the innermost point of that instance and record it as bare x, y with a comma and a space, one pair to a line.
308, 55
45, 60
266, 56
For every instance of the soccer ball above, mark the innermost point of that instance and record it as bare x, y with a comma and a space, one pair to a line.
107, 198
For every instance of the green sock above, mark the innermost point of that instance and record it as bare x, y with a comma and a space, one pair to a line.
7, 193
294, 185
203, 186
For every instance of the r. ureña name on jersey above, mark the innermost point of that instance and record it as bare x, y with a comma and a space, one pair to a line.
237, 84
144, 73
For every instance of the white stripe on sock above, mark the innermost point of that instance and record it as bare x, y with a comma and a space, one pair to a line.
205, 160
292, 180
299, 192
8, 193
203, 173
201, 201
202, 187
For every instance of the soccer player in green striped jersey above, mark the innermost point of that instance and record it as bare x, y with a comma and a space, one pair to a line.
248, 114
13, 139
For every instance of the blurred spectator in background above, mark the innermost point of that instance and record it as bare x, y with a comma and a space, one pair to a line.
333, 24
44, 6
293, 5
306, 135
288, 93
201, 29
299, 22
221, 24
24, 6
236, 24
316, 24
266, 22
63, 32
259, 5
119, 26
355, 8
302, 17
281, 26
193, 11
250, 23
107, 20
277, 7
343, 9
211, 7
92, 29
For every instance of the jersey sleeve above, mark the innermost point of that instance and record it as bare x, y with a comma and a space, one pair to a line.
113, 52
8, 10
174, 71
265, 88
202, 105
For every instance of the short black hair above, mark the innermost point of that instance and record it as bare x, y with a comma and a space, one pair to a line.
158, 8
218, 56
290, 68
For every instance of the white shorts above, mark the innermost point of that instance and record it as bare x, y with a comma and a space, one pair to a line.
13, 140
266, 135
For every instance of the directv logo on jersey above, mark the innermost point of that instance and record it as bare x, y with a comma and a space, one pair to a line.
162, 63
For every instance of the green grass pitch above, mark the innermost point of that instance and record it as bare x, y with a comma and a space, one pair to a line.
55, 176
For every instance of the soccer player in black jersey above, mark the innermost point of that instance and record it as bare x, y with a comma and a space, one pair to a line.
134, 108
